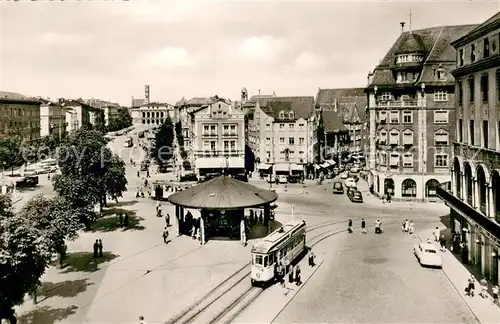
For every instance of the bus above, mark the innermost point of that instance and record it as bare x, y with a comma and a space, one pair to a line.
128, 142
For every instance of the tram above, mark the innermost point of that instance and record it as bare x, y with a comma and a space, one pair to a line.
128, 142
285, 243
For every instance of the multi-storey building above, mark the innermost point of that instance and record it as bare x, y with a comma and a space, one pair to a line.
79, 114
350, 105
110, 110
218, 138
411, 107
184, 110
335, 143
52, 119
474, 192
154, 113
283, 135
19, 116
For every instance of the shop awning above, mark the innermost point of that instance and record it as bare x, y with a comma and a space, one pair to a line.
296, 167
325, 165
317, 167
281, 167
263, 166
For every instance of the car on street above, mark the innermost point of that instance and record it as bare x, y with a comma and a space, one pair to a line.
343, 175
355, 196
338, 187
30, 181
427, 255
282, 178
350, 182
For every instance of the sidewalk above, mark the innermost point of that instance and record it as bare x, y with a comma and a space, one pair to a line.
275, 298
458, 274
372, 200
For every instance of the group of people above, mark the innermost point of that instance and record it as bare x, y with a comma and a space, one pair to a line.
471, 287
408, 226
281, 270
98, 248
378, 226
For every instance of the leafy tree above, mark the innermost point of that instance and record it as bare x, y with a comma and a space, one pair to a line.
121, 121
114, 178
10, 153
25, 253
164, 138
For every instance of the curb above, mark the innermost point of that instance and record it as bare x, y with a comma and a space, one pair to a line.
298, 290
16, 201
459, 291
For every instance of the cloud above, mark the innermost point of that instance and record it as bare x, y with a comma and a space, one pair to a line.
260, 48
170, 58
308, 62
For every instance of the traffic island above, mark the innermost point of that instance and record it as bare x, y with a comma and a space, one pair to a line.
274, 299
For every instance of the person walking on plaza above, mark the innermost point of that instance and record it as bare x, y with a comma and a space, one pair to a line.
311, 258
167, 219
96, 248
142, 320
165, 235
406, 226
120, 219
411, 228
125, 220
442, 242
100, 248
469, 290
349, 227
297, 276
363, 226
494, 291
437, 234
484, 288
291, 276
281, 274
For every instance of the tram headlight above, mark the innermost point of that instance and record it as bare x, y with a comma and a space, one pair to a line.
258, 275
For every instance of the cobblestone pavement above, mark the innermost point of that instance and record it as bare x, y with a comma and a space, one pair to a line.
376, 279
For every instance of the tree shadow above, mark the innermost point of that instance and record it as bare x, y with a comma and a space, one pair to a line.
110, 221
122, 203
65, 289
85, 261
46, 315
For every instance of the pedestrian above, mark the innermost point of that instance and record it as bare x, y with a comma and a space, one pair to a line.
403, 226
100, 248
142, 320
281, 274
291, 276
165, 235
311, 258
470, 286
442, 242
137, 195
96, 248
167, 219
495, 295
297, 276
138, 174
407, 226
484, 288
125, 220
287, 266
437, 234
120, 219
349, 228
363, 226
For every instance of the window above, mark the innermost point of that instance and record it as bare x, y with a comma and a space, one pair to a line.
394, 117
282, 115
461, 57
282, 140
213, 145
407, 137
460, 134
485, 133
226, 145
291, 126
301, 140
233, 129
282, 126
486, 47
394, 137
407, 117
473, 53
441, 160
383, 137
440, 74
268, 127
382, 116
233, 145
206, 145
226, 129
407, 160
471, 89
484, 87
394, 160
291, 115
268, 141
460, 91
471, 132
440, 117
206, 130
291, 140
409, 188
440, 95
383, 158
386, 96
301, 126
441, 137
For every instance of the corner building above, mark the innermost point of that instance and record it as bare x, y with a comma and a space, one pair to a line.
473, 194
412, 112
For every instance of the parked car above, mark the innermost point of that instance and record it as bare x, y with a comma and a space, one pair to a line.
343, 175
350, 190
25, 182
338, 187
350, 182
427, 255
282, 178
356, 196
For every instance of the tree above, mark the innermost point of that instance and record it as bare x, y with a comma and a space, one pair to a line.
164, 138
25, 253
10, 153
121, 121
114, 178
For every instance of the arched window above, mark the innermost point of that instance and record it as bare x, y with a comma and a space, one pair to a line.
430, 188
383, 137
409, 188
394, 137
407, 137
291, 115
394, 160
441, 137
282, 115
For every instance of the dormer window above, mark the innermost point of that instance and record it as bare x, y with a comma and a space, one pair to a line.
386, 96
282, 114
407, 58
291, 115
440, 74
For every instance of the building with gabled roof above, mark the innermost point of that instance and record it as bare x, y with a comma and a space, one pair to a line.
282, 134
411, 109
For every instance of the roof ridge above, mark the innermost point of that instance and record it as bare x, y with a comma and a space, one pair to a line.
430, 52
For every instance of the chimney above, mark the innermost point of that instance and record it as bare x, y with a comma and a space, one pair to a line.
402, 26
259, 92
369, 77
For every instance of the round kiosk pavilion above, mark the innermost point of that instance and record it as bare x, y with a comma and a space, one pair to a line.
222, 202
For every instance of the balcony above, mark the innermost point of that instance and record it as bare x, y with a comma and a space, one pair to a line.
230, 134
386, 104
218, 153
444, 192
209, 134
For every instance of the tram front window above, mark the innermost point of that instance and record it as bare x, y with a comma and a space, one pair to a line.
258, 259
265, 261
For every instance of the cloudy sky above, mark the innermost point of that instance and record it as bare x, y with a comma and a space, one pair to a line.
111, 49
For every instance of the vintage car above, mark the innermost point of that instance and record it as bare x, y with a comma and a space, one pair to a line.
427, 255
338, 187
355, 196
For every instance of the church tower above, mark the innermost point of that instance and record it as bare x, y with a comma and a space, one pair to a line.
244, 95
